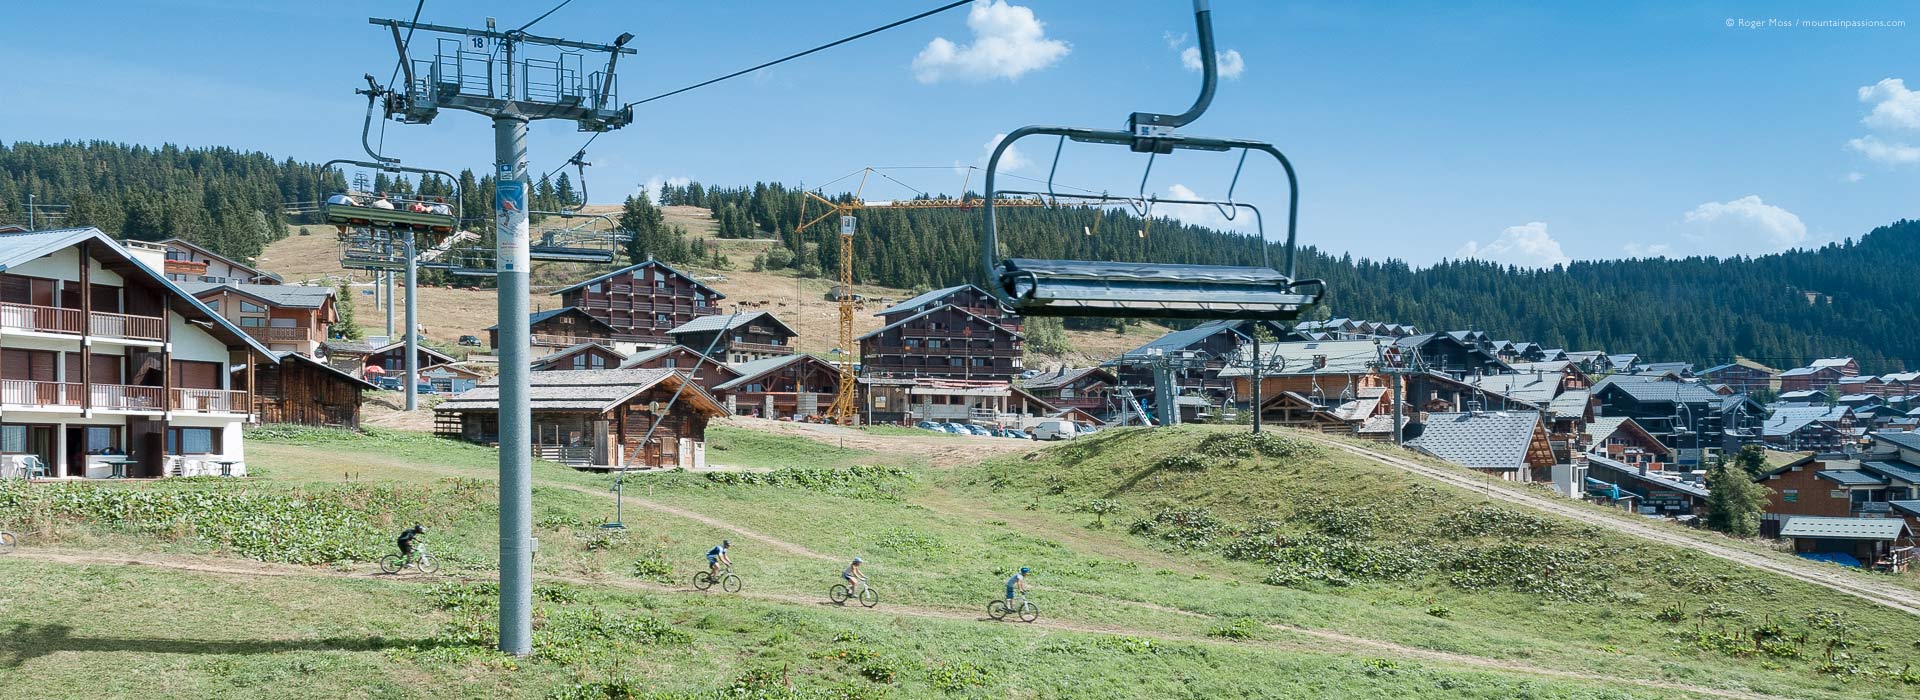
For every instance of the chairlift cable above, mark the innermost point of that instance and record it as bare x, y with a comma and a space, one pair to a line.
536, 20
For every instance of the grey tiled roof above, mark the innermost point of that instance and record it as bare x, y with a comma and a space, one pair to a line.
726, 322
1654, 389
1843, 528
630, 268
971, 316
1535, 388
1894, 470
538, 316
1633, 473
1851, 477
1910, 441
1489, 440
925, 298
583, 390
1570, 403
295, 296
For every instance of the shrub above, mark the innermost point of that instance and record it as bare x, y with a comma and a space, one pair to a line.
1241, 445
1191, 527
1524, 568
1488, 520
1182, 462
955, 677
854, 482
653, 566
1239, 628
1440, 611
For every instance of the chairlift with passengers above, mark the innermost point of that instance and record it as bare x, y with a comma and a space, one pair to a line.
1117, 289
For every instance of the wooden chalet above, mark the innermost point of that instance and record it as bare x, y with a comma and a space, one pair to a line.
947, 342
1743, 375
706, 371
1808, 428
1624, 441
970, 298
596, 419
1510, 445
908, 400
1457, 354
1211, 345
1089, 389
557, 329
737, 338
786, 387
188, 262
354, 357
284, 317
1819, 375
578, 357
300, 389
1641, 490
644, 301
452, 378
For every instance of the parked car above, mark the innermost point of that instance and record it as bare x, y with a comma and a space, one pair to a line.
951, 428
386, 382
980, 431
472, 341
1014, 433
1055, 430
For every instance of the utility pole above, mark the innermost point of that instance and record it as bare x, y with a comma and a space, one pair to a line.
511, 94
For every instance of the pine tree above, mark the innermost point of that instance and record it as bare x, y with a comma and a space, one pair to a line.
345, 326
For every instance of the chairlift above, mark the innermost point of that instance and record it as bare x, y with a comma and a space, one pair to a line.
577, 243
1115, 289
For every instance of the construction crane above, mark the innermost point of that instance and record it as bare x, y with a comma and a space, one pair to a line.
844, 411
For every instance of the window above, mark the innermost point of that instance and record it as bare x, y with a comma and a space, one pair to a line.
880, 401
670, 362
594, 288
213, 304
189, 441
13, 439
102, 438
250, 307
1790, 496
252, 321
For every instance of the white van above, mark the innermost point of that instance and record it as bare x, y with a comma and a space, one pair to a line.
1054, 430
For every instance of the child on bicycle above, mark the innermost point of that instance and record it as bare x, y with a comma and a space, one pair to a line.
853, 576
406, 540
718, 556
1017, 583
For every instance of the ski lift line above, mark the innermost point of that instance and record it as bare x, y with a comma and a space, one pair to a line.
816, 49
536, 20
401, 63
671, 400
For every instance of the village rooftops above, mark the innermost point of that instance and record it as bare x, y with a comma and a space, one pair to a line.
1308, 358
292, 296
1653, 388
756, 369
924, 298
969, 314
1538, 389
343, 376
1788, 419
630, 268
718, 322
1826, 528
646, 356
1909, 441
1651, 478
536, 317
1571, 403
1176, 341
590, 390
1060, 377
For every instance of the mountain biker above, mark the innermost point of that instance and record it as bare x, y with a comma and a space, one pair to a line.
853, 576
406, 540
718, 556
1017, 582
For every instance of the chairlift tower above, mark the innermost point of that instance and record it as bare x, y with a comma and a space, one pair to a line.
494, 73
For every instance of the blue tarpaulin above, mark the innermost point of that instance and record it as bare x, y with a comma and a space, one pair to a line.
1833, 558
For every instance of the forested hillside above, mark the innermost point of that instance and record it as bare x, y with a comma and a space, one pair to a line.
1853, 298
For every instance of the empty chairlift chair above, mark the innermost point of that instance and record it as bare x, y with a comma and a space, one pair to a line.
1038, 287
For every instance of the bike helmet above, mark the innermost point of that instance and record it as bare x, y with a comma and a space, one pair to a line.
1025, 570
858, 560
726, 544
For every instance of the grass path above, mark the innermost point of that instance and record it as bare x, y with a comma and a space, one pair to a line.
1343, 644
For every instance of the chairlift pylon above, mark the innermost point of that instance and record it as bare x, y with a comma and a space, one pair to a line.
1114, 289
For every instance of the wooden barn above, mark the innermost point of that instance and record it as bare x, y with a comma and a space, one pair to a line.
706, 371
582, 356
303, 390
799, 387
596, 419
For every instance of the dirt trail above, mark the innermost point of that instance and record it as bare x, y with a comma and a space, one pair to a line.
1347, 643
1891, 596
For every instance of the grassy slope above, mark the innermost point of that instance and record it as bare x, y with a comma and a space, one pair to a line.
937, 554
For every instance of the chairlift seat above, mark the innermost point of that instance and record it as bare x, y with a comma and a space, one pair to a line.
1153, 290
374, 217
569, 254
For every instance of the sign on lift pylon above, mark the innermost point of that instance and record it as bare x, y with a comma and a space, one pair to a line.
510, 221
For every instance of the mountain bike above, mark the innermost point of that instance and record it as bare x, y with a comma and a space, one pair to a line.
729, 581
7, 542
419, 560
839, 594
1019, 607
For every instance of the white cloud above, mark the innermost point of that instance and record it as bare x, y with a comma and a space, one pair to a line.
1734, 227
1229, 62
1894, 106
654, 183
1175, 41
1855, 176
1527, 245
1644, 250
1013, 159
1890, 152
1008, 42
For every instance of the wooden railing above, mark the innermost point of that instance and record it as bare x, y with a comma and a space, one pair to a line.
561, 341
23, 392
760, 347
125, 326
45, 319
210, 400
270, 334
122, 397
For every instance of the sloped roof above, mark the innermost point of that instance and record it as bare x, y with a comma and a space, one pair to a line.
718, 322
631, 268
298, 358
1538, 389
1180, 339
993, 327
1787, 420
597, 390
1651, 388
20, 248
1487, 440
756, 369
1813, 526
1659, 367
645, 356
293, 296
1851, 477
1910, 441
1650, 479
538, 316
1902, 471
1831, 362
571, 350
1062, 377
925, 298
1546, 366
184, 243
1300, 359
1571, 403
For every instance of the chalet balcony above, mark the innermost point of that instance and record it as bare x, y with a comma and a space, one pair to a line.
280, 335
643, 338
760, 347
210, 401
947, 352
1080, 402
25, 393
560, 341
123, 397
185, 267
53, 319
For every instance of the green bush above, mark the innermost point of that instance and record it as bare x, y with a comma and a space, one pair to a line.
1191, 527
882, 483
1242, 445
653, 567
1239, 628
957, 676
1183, 462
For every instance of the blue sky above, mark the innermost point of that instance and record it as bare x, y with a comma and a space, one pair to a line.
1520, 132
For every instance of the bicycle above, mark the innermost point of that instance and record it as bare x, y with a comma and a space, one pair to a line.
7, 542
840, 594
419, 560
729, 581
1022, 608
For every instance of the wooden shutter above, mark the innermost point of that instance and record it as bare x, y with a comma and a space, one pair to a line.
70, 295
193, 374
42, 292
14, 364
15, 289
106, 369
73, 368
40, 366
106, 298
